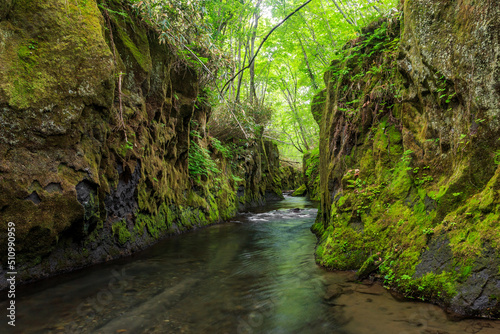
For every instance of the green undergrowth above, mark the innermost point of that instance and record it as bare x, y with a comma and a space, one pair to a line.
121, 232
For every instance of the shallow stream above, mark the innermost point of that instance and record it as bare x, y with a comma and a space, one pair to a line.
255, 274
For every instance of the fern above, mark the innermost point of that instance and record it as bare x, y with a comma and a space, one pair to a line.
200, 163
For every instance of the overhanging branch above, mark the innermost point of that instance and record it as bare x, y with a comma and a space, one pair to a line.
262, 43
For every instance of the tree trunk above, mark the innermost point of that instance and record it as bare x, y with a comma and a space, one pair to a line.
291, 104
240, 79
343, 14
309, 70
256, 17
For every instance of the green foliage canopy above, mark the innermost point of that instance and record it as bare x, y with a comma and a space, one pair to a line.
220, 37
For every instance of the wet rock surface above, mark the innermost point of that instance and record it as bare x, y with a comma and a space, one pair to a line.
437, 258
254, 275
416, 182
85, 178
122, 201
479, 292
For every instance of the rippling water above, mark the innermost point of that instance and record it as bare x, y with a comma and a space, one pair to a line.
255, 274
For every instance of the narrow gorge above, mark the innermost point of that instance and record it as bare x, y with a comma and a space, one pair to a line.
115, 142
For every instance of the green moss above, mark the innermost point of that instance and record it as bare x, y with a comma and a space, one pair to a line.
394, 135
156, 224
311, 174
72, 47
139, 47
139, 226
395, 192
367, 164
341, 251
300, 191
431, 287
121, 231
380, 141
370, 265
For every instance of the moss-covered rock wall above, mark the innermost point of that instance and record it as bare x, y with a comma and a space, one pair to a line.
310, 163
97, 124
291, 177
410, 153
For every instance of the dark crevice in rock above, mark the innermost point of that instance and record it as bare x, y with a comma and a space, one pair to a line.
34, 198
123, 200
241, 191
85, 190
430, 204
86, 193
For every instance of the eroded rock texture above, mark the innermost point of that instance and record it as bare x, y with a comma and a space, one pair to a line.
410, 152
95, 125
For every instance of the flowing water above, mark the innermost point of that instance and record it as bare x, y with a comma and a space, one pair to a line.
255, 274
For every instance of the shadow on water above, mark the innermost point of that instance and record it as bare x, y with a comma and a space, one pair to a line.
254, 274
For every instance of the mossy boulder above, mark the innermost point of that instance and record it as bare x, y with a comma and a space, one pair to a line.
369, 266
300, 191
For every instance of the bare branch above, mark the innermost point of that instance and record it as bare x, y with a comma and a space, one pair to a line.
262, 43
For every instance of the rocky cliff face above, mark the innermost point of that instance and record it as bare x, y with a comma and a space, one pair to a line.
97, 125
410, 155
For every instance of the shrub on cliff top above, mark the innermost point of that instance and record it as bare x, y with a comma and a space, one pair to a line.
239, 121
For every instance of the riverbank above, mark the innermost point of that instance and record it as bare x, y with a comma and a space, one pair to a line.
255, 273
106, 150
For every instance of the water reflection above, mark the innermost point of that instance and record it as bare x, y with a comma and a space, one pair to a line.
255, 274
